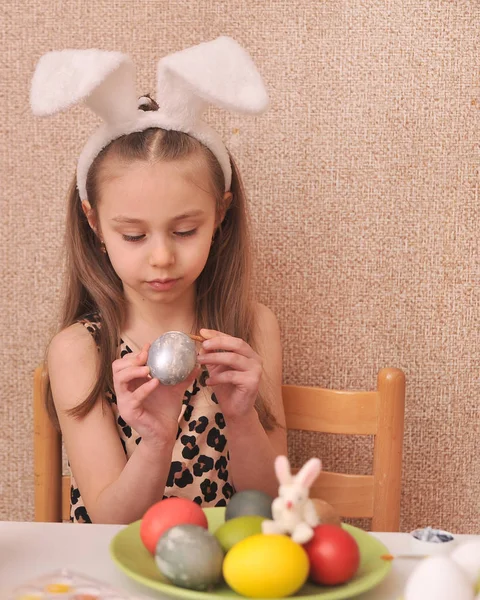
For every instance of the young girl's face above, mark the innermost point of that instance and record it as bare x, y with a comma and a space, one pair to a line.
157, 222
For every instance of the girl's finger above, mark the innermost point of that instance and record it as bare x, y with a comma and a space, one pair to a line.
213, 370
228, 359
236, 378
129, 360
131, 386
127, 375
141, 393
211, 333
229, 344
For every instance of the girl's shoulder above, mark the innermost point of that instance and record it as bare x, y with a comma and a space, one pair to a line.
72, 365
77, 337
71, 343
72, 357
266, 322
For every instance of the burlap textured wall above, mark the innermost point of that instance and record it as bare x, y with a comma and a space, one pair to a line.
364, 187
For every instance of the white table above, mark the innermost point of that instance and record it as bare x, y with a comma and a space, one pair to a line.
28, 550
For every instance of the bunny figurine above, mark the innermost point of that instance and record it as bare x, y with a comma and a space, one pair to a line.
293, 512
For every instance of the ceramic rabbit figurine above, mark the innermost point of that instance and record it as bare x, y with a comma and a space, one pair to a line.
293, 512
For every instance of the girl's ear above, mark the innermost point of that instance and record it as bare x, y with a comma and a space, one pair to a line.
90, 214
223, 207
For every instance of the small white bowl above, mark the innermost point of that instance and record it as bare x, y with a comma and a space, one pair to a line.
430, 541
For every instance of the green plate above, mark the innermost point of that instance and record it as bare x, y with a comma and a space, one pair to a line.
133, 558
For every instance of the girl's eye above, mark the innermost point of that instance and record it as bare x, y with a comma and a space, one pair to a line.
185, 233
132, 238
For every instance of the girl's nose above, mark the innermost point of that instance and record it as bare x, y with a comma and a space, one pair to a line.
161, 255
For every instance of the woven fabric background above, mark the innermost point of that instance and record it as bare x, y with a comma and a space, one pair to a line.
363, 179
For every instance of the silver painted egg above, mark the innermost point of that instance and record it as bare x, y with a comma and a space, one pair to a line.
190, 557
172, 357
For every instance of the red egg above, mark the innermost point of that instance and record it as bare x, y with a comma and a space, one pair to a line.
165, 514
333, 554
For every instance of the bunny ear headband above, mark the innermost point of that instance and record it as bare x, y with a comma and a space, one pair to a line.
220, 73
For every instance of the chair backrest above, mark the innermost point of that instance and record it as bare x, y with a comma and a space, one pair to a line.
379, 413
52, 490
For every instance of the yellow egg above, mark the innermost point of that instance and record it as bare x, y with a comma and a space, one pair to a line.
58, 588
266, 566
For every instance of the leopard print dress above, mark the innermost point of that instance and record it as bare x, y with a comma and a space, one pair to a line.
199, 468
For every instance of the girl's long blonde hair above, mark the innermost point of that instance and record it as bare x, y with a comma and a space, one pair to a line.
224, 299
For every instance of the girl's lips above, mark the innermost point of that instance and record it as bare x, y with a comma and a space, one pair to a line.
162, 285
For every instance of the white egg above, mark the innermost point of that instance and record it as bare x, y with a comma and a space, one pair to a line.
467, 556
438, 578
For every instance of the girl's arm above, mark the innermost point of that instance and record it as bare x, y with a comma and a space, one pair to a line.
238, 375
113, 489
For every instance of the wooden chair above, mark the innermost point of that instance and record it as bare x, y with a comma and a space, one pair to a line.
379, 413
52, 490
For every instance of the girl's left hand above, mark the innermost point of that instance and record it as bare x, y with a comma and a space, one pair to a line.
235, 371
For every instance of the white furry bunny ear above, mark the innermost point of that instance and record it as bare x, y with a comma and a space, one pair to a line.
104, 80
219, 72
282, 470
309, 472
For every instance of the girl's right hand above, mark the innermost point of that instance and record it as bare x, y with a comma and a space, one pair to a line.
150, 408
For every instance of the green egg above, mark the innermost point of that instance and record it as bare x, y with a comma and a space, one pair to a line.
249, 502
236, 530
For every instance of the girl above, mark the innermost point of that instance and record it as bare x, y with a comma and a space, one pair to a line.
157, 240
